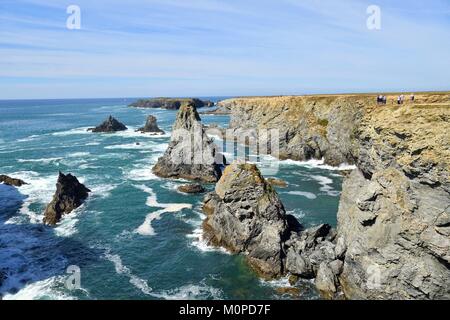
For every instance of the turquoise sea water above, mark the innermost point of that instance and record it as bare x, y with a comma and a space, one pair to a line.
40, 138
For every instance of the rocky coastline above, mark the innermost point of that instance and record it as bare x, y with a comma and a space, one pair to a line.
393, 235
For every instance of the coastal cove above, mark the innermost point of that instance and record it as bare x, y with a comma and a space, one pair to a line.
170, 260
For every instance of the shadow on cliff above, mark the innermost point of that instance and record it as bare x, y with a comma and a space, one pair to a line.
30, 253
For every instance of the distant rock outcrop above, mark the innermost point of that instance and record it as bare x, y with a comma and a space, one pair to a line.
109, 125
151, 126
191, 188
245, 215
171, 103
69, 195
191, 153
11, 181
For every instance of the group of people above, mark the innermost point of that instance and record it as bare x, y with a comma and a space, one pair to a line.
400, 99
381, 100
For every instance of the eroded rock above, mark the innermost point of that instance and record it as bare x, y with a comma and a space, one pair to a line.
109, 125
191, 153
151, 126
69, 195
11, 181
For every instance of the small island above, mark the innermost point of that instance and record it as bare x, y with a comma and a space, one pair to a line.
171, 103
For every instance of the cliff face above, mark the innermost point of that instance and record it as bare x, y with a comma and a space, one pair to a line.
310, 127
394, 214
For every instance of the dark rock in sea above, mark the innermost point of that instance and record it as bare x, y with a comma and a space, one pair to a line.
191, 188
191, 153
69, 195
171, 103
109, 125
151, 126
11, 181
245, 215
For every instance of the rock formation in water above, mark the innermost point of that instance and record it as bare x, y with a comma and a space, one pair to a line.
191, 188
245, 215
171, 103
393, 236
191, 153
11, 181
69, 195
151, 126
109, 125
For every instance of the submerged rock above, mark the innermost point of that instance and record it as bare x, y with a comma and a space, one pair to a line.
245, 215
277, 182
191, 188
11, 181
191, 153
69, 195
151, 126
109, 125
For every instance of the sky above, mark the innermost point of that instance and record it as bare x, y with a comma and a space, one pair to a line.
150, 48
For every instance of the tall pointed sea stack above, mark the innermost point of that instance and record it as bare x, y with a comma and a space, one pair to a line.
69, 195
191, 154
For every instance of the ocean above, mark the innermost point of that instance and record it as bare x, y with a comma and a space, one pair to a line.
102, 238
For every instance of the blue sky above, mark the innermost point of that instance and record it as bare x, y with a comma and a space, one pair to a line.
135, 48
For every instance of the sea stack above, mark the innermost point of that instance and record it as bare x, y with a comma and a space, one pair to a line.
151, 126
245, 215
69, 195
191, 154
109, 125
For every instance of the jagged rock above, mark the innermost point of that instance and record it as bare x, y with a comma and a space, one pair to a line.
171, 103
191, 188
151, 126
307, 249
326, 281
245, 215
277, 182
11, 181
191, 153
109, 125
340, 248
69, 195
336, 266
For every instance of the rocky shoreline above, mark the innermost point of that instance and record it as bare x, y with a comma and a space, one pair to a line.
393, 218
393, 235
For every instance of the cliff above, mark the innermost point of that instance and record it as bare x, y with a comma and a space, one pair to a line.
170, 103
394, 213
